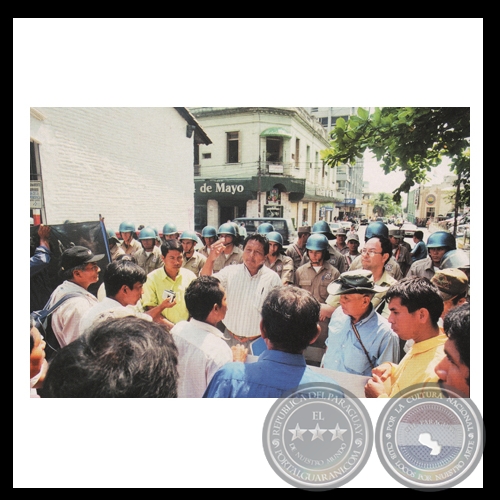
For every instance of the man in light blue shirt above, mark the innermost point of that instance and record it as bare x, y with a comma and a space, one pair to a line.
359, 338
289, 324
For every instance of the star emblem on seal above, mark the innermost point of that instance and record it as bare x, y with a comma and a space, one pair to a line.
297, 433
317, 433
337, 433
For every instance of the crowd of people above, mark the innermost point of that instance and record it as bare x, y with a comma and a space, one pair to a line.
221, 315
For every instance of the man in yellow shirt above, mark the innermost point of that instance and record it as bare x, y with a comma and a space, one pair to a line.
415, 307
172, 277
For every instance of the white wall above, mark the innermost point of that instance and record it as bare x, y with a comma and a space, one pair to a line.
123, 163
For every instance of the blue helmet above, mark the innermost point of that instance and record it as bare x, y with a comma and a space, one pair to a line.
318, 242
455, 258
169, 228
376, 228
209, 232
322, 227
147, 233
127, 227
228, 228
441, 239
265, 228
111, 234
275, 237
189, 235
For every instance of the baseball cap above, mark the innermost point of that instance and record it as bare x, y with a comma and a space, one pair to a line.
352, 237
357, 281
397, 233
304, 230
450, 282
76, 256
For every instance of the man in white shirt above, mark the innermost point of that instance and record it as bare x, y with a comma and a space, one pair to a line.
79, 270
201, 345
246, 285
123, 281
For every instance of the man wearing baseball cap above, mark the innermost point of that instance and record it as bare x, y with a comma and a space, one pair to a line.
359, 338
453, 286
340, 241
78, 270
353, 246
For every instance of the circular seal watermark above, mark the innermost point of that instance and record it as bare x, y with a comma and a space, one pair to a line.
318, 436
429, 438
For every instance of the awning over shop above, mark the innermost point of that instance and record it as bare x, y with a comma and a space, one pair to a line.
246, 189
275, 132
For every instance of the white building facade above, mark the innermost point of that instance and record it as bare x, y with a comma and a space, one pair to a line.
133, 164
349, 177
263, 162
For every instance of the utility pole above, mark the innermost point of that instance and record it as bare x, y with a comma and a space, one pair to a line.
259, 187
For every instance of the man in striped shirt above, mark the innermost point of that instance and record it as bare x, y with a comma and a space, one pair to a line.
247, 285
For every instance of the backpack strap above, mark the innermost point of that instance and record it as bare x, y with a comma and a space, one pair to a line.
381, 305
44, 324
43, 313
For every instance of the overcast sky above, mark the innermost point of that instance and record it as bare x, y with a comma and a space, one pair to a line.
382, 183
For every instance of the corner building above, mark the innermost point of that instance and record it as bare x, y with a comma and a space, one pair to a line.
263, 162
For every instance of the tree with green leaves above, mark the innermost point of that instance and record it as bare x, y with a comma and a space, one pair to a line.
384, 205
411, 140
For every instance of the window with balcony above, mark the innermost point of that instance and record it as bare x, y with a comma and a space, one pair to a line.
274, 149
233, 147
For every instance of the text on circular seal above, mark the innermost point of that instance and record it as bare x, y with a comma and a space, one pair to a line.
318, 436
430, 438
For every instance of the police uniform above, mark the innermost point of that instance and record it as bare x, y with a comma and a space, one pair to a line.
391, 266
149, 261
317, 283
296, 254
134, 246
194, 263
337, 260
424, 268
283, 265
235, 257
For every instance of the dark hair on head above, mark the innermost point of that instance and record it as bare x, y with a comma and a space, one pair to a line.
386, 245
419, 235
122, 272
117, 358
290, 318
456, 325
126, 256
168, 245
201, 295
261, 238
417, 293
325, 254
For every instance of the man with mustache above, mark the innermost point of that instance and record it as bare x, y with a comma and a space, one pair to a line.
247, 285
